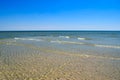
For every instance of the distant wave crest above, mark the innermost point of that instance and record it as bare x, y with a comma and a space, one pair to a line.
64, 36
31, 39
79, 38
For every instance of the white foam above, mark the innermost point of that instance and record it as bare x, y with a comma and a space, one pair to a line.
79, 38
31, 39
16, 38
20, 38
55, 41
66, 42
107, 46
64, 36
97, 45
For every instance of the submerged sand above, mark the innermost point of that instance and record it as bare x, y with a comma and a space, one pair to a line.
26, 62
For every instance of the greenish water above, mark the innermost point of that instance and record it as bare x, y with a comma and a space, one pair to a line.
100, 43
60, 55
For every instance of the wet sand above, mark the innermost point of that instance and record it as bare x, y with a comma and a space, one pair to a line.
26, 62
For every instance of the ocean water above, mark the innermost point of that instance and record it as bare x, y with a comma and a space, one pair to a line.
22, 49
88, 42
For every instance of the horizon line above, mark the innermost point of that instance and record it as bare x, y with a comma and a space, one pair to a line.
55, 30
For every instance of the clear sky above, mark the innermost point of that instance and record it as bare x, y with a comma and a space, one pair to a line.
59, 14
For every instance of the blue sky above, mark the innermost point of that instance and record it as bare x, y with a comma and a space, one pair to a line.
59, 15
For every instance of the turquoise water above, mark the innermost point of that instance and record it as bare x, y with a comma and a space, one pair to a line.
98, 43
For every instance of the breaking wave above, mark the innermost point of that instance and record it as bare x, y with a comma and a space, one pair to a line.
31, 39
66, 42
79, 38
64, 36
107, 46
88, 44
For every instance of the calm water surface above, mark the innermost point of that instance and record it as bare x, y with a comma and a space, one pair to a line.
88, 53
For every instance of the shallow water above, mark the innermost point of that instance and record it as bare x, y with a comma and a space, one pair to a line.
59, 55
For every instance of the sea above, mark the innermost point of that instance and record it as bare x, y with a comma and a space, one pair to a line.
20, 46
101, 43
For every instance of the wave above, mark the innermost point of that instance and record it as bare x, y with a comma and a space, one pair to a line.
88, 44
71, 42
59, 52
79, 38
66, 42
64, 36
31, 39
107, 46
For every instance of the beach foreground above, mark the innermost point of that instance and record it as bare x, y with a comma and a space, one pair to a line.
22, 60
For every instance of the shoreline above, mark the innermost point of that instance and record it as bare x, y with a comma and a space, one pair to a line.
34, 64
